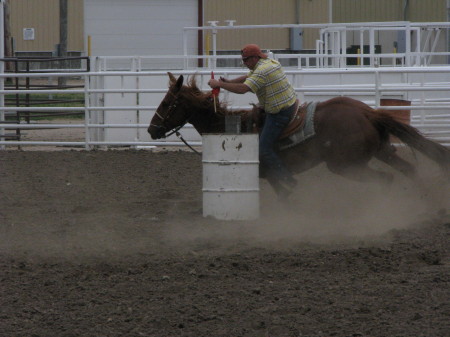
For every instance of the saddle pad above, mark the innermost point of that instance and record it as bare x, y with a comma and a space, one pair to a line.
305, 128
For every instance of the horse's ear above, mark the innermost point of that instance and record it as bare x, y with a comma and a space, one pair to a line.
176, 83
172, 78
179, 83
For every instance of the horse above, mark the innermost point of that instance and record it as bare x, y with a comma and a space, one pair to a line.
348, 134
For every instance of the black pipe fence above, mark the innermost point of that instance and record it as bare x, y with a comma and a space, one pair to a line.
28, 65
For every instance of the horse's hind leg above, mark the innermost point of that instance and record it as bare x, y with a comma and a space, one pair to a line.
388, 156
281, 191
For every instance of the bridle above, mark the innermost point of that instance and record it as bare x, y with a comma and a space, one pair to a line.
164, 119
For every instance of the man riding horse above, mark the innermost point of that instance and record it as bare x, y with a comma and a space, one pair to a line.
276, 96
347, 133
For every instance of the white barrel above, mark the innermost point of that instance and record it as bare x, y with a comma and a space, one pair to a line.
230, 176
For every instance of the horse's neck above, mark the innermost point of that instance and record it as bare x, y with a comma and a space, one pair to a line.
212, 120
208, 121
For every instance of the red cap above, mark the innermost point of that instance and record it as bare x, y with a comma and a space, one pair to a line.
252, 50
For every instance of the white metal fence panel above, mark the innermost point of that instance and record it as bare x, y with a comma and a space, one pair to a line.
426, 88
119, 105
119, 116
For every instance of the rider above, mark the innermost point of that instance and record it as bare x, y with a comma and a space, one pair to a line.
276, 96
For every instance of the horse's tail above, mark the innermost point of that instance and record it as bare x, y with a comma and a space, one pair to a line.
384, 122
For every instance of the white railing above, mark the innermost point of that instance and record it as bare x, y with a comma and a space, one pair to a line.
138, 93
408, 43
422, 44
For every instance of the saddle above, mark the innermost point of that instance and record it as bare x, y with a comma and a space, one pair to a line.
297, 120
296, 123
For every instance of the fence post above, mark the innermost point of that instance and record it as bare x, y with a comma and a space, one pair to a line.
62, 39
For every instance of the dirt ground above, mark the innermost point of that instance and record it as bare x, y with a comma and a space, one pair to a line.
113, 243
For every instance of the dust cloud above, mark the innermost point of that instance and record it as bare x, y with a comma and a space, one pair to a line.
328, 209
117, 203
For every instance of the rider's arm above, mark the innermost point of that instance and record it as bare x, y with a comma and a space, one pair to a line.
239, 79
235, 86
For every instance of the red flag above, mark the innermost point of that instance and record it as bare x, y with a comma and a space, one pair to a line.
215, 91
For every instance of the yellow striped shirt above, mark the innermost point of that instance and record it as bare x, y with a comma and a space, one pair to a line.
270, 84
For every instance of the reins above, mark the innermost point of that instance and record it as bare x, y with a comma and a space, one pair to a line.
186, 143
175, 131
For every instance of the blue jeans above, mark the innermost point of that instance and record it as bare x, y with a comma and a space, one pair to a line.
269, 159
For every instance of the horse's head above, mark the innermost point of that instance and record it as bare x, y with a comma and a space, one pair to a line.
186, 103
170, 114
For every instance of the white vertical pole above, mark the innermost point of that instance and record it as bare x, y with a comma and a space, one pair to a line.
214, 34
408, 44
319, 48
185, 49
343, 48
336, 47
372, 46
317, 53
332, 38
361, 47
214, 42
87, 115
418, 47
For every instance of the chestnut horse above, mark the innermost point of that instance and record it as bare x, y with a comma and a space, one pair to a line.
348, 134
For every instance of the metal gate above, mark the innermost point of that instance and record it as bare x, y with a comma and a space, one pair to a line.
118, 105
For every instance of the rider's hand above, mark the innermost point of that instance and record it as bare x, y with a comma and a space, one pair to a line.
214, 83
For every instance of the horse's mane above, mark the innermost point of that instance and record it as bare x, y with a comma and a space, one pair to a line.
201, 101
